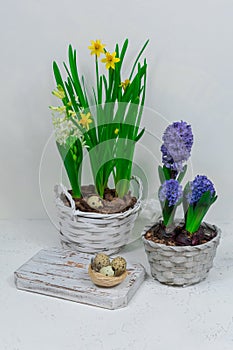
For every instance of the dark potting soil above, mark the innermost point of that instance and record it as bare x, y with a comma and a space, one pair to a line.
178, 236
109, 204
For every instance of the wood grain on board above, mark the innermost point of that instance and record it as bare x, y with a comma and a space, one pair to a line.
64, 274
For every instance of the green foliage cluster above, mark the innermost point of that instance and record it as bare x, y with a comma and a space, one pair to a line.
108, 119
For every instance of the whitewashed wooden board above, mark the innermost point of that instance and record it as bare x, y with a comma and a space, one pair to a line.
63, 274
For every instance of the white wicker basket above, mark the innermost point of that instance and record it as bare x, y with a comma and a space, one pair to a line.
89, 232
181, 265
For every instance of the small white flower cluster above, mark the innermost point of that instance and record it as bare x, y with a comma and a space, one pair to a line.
65, 128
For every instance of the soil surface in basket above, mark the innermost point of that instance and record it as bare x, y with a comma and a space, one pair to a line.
109, 204
178, 236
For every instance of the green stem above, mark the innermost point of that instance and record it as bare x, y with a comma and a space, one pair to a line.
110, 77
97, 78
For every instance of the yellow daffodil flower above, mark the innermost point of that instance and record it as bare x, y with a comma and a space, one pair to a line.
125, 83
60, 93
116, 131
96, 47
110, 60
85, 120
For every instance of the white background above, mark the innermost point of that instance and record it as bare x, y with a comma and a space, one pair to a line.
190, 59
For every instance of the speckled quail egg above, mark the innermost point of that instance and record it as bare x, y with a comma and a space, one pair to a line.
100, 260
107, 271
118, 265
94, 202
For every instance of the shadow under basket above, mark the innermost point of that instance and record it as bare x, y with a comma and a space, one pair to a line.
90, 232
181, 265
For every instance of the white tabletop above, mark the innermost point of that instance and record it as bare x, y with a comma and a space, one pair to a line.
158, 317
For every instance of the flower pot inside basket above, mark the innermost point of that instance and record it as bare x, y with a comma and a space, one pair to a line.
92, 232
181, 265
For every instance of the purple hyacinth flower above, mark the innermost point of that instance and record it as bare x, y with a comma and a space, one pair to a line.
198, 186
171, 191
177, 144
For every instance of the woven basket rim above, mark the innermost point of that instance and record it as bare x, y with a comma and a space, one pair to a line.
59, 189
93, 215
181, 248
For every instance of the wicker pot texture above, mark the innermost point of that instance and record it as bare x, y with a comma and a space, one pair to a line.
89, 232
181, 265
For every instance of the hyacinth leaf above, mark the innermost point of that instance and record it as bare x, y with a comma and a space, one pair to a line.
167, 173
205, 200
189, 218
204, 203
170, 197
214, 199
182, 174
197, 211
187, 190
168, 213
194, 219
161, 174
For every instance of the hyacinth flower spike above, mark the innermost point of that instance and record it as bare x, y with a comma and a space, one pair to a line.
170, 196
198, 196
176, 150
